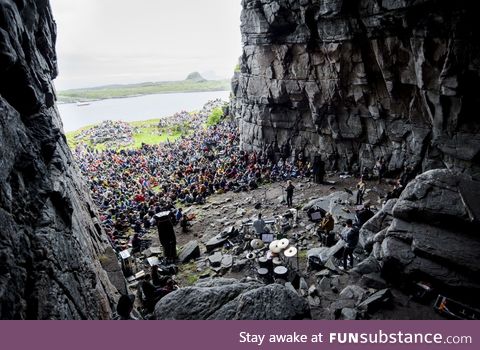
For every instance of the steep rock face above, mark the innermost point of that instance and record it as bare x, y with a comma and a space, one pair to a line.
50, 248
431, 234
356, 80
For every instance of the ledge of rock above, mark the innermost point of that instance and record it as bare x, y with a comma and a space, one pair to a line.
229, 299
432, 235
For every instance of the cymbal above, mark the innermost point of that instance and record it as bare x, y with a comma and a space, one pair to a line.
257, 243
284, 243
290, 252
275, 247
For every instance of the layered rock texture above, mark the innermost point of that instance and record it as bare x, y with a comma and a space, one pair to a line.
50, 247
229, 299
356, 80
430, 234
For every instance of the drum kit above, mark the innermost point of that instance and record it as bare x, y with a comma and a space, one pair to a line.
257, 244
279, 258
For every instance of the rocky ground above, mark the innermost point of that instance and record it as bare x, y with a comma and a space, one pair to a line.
218, 271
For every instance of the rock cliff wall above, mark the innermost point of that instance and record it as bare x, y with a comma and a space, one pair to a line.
430, 234
356, 80
50, 248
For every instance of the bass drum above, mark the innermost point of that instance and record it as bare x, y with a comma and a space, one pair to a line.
280, 272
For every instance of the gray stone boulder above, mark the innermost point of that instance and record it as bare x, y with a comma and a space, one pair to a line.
380, 221
216, 242
353, 292
189, 251
202, 300
334, 203
348, 314
440, 198
434, 234
229, 299
368, 265
324, 254
378, 300
270, 302
373, 280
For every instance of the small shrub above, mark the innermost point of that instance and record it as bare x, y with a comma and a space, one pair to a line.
215, 117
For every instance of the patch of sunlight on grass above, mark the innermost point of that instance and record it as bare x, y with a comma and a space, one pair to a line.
145, 132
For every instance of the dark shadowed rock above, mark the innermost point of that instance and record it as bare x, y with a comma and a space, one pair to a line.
369, 265
190, 251
215, 242
201, 301
433, 236
373, 280
337, 306
55, 258
271, 302
233, 300
381, 299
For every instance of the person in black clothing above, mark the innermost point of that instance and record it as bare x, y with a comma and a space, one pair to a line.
136, 243
318, 170
289, 189
381, 168
407, 176
125, 307
364, 214
350, 236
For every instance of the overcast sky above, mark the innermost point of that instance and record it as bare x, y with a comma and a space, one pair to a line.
123, 41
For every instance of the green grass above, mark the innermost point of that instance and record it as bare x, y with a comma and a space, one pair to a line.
215, 117
146, 131
188, 274
119, 91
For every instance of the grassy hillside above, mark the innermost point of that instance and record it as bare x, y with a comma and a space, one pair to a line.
119, 91
146, 131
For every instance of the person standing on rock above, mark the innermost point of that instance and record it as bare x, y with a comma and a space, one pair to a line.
318, 169
361, 187
350, 236
363, 215
289, 189
380, 168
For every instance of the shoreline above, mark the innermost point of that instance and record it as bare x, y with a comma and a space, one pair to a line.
59, 102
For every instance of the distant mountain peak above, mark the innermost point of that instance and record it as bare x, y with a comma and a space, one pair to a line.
195, 76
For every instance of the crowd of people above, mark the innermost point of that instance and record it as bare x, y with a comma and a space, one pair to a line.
131, 186
109, 132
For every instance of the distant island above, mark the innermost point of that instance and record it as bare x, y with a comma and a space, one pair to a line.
193, 83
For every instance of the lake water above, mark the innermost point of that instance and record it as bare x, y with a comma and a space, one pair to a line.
134, 108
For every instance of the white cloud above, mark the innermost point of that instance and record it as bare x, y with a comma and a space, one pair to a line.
122, 41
